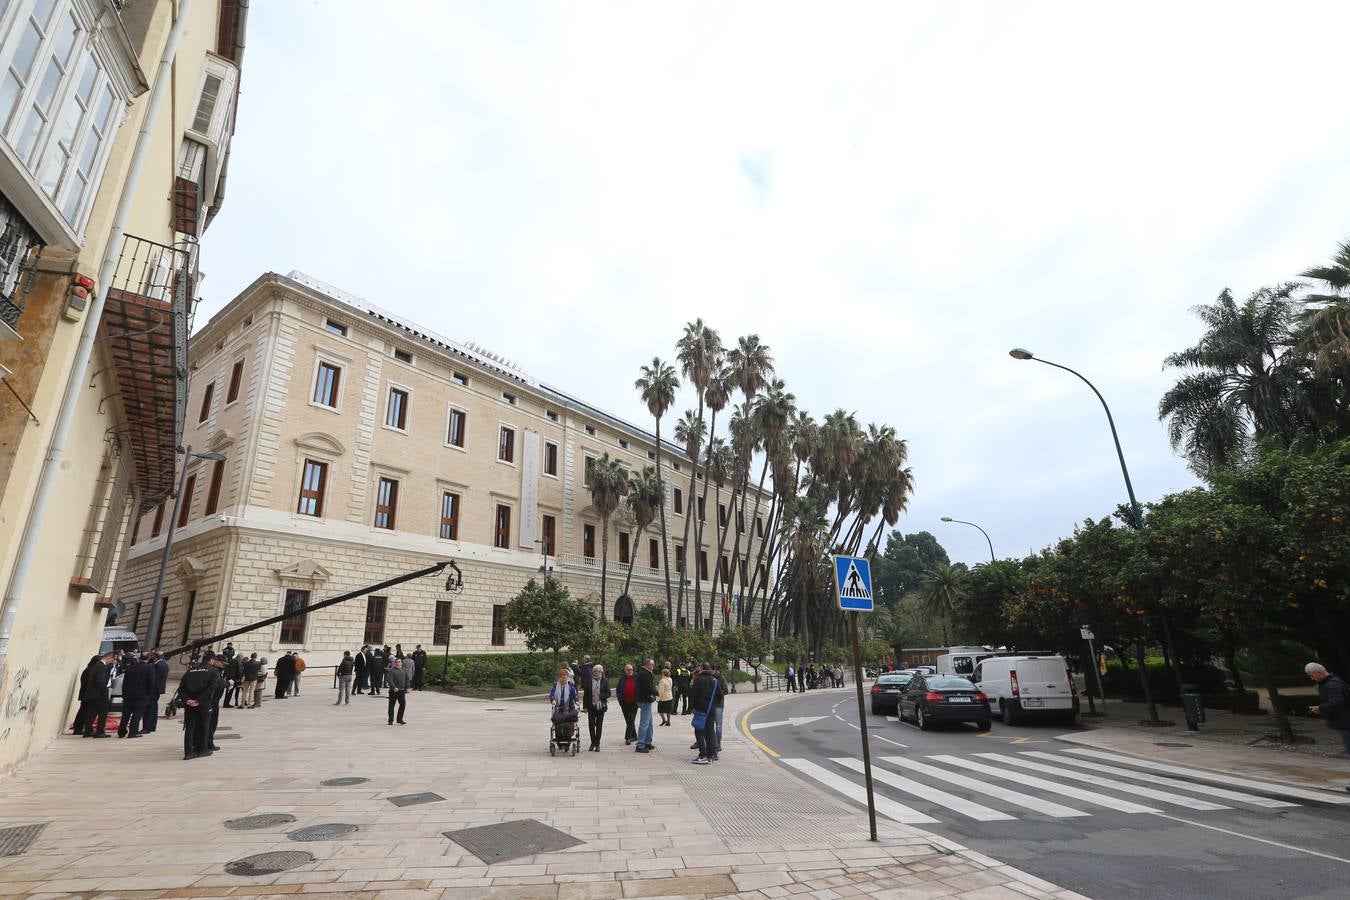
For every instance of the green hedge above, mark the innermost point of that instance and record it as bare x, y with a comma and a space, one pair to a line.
534, 669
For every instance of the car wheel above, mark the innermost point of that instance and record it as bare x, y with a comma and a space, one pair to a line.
1005, 709
985, 724
920, 718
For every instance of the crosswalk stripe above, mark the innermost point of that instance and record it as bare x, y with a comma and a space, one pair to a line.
1035, 804
886, 806
976, 811
1207, 790
1123, 787
1268, 787
1125, 806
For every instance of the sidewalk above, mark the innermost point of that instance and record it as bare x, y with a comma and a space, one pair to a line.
1225, 743
132, 819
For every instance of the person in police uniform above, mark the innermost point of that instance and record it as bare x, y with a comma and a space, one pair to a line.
683, 679
198, 688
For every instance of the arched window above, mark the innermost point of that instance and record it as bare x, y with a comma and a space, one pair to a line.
623, 610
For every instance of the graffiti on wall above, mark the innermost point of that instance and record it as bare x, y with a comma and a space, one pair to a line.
20, 703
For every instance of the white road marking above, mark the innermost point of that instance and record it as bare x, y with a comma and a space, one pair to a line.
1036, 804
1124, 806
791, 720
893, 718
957, 804
856, 792
1123, 787
1219, 777
889, 741
1252, 837
1207, 790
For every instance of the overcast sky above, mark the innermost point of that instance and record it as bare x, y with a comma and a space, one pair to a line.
891, 196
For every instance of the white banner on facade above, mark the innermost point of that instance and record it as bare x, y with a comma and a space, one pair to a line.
529, 492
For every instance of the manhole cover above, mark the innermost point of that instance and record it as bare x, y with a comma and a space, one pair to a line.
1169, 744
321, 832
263, 820
346, 781
227, 737
269, 863
512, 840
414, 799
16, 841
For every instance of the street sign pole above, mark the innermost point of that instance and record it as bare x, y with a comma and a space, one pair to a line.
862, 718
1092, 661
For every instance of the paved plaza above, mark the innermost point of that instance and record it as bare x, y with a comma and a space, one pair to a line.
133, 819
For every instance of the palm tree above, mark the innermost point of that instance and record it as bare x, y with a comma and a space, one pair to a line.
700, 354
1243, 384
644, 501
657, 386
942, 592
689, 433
1326, 320
772, 412
609, 483
716, 395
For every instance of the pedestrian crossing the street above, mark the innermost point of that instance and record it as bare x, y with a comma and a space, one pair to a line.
1000, 787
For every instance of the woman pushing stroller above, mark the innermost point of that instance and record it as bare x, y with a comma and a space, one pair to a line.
562, 697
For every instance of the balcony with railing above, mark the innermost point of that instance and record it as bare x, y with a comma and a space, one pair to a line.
20, 246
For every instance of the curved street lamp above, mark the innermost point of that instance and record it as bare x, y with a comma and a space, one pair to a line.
982, 531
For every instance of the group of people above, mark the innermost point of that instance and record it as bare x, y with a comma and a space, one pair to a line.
642, 695
386, 669
145, 678
811, 676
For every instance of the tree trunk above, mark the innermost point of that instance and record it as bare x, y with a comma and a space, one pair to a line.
1272, 692
690, 509
1169, 651
604, 562
747, 602
665, 541
698, 526
1143, 680
632, 562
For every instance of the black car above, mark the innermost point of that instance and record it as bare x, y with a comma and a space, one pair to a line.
944, 698
887, 690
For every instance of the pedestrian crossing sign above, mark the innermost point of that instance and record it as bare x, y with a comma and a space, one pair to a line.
853, 583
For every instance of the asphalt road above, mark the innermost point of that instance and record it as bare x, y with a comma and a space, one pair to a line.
1103, 827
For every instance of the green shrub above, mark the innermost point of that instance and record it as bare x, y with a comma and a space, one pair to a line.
536, 681
507, 683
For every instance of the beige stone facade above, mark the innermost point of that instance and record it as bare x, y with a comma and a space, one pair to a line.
294, 375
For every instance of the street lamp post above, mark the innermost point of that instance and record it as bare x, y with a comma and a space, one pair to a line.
157, 603
445, 670
982, 531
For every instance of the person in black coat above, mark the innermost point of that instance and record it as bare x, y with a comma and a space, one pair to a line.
161, 668
81, 713
703, 701
234, 677
595, 700
362, 669
284, 671
375, 669
138, 694
95, 696
1333, 702
197, 689
420, 667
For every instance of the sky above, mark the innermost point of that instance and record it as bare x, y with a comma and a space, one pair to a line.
890, 195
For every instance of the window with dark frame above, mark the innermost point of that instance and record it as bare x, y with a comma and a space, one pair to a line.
550, 530
459, 421
703, 565
403, 356
207, 396
498, 625
158, 525
396, 411
445, 616
312, 483
375, 610
335, 327
678, 496
721, 515
236, 378
502, 536
506, 445
293, 628
213, 492
759, 527
327, 383
508, 398
740, 521
185, 502
724, 570
460, 379
623, 548
653, 554
386, 504
449, 516
590, 429
679, 558
623, 444
187, 616
702, 510
550, 458
588, 541
550, 415
590, 468
744, 579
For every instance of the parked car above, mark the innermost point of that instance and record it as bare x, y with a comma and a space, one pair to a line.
887, 690
944, 698
926, 670
1027, 687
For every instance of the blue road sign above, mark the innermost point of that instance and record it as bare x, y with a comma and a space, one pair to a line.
853, 583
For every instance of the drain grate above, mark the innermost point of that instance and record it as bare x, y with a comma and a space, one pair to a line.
512, 840
345, 781
414, 799
324, 832
262, 820
1170, 744
269, 863
16, 841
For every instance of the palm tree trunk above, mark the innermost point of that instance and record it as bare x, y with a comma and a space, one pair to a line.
698, 527
604, 562
665, 542
690, 508
632, 562
747, 601
722, 545
875, 543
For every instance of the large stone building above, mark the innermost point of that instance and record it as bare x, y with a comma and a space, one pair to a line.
98, 273
360, 446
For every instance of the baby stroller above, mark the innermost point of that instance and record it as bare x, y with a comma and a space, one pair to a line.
563, 733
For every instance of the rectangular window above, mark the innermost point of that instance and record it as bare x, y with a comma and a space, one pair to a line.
759, 527
550, 539
506, 445
550, 458
236, 378
590, 429
327, 384
213, 492
623, 443
724, 570
703, 565
550, 415
702, 511
502, 537
674, 465
375, 608
335, 327
185, 502
449, 516
293, 628
651, 454
762, 574
678, 496
623, 548
187, 616
158, 525
403, 356
445, 613
312, 484
459, 422
498, 626
396, 410
207, 397
721, 515
588, 541
461, 380
679, 558
135, 530
508, 398
653, 554
386, 503
740, 521
590, 467
744, 579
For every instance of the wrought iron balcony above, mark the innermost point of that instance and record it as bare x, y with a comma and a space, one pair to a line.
20, 247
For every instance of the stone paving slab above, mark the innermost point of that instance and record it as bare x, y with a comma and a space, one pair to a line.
133, 819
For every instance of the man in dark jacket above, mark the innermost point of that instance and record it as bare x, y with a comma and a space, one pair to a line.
1333, 702
234, 676
362, 660
722, 689
284, 672
161, 667
595, 700
218, 693
420, 663
375, 666
197, 687
96, 692
646, 678
703, 700
138, 694
82, 716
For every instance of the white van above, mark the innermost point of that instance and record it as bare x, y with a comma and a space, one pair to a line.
1028, 687
961, 661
